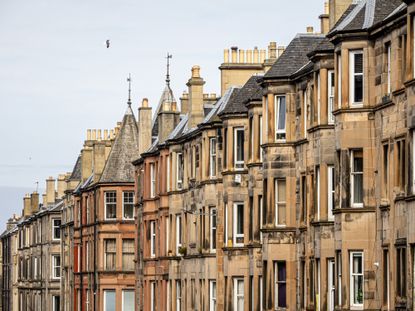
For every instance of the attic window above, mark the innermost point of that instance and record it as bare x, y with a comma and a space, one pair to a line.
356, 78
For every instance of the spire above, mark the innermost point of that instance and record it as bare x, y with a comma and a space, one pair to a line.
169, 56
129, 89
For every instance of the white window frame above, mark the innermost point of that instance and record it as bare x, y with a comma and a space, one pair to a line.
179, 168
178, 295
339, 81
152, 238
352, 275
212, 295
226, 216
54, 267
152, 295
238, 164
276, 282
236, 235
53, 229
277, 107
179, 232
212, 157
105, 198
152, 180
236, 295
123, 203
123, 298
318, 190
389, 68
330, 192
106, 292
54, 307
330, 97
352, 75
305, 112
318, 98
213, 228
167, 173
352, 177
413, 161
278, 202
260, 137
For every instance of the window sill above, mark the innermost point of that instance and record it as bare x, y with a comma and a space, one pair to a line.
354, 210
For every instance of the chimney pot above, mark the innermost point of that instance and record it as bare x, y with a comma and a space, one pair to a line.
234, 50
88, 134
99, 135
310, 29
94, 134
241, 56
174, 106
144, 103
196, 72
226, 56
105, 134
249, 56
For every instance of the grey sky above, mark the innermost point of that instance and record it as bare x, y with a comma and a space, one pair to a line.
57, 78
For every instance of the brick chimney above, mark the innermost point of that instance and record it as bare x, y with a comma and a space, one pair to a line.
99, 158
325, 19
195, 85
168, 118
34, 200
27, 206
144, 126
50, 191
336, 10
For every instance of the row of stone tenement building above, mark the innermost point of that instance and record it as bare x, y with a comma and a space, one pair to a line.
293, 190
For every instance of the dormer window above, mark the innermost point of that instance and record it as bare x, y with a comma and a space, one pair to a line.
280, 117
356, 78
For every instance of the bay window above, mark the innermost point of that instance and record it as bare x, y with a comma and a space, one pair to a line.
356, 178
356, 279
238, 224
128, 204
356, 78
280, 118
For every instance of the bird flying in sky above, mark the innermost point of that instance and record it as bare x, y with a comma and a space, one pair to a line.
108, 43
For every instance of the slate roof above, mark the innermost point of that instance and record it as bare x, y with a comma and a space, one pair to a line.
365, 14
118, 167
166, 97
76, 172
212, 116
294, 56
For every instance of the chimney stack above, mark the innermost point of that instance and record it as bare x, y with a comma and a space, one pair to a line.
86, 160
310, 29
195, 85
337, 9
50, 191
61, 185
325, 19
34, 199
144, 126
98, 158
27, 206
44, 199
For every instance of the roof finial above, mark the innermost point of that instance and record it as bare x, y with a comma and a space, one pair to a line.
169, 56
129, 89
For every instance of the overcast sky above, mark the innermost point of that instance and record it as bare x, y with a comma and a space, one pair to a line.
57, 78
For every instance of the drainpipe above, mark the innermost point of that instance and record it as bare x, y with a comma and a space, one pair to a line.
95, 248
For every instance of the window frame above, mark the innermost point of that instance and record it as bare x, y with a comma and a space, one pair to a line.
56, 227
238, 164
237, 235
54, 298
353, 75
331, 191
179, 171
389, 68
352, 178
260, 138
352, 275
330, 96
213, 229
123, 292
179, 233
212, 157
278, 203
153, 295
54, 267
106, 292
212, 295
152, 238
124, 253
236, 295
277, 282
339, 81
124, 203
152, 180
178, 295
277, 108
114, 254
106, 203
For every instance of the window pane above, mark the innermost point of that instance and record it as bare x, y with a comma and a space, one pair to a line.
358, 88
358, 188
281, 190
358, 289
281, 113
240, 145
240, 219
109, 296
282, 293
357, 263
358, 63
128, 300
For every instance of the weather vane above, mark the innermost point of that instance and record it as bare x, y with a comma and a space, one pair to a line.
129, 89
169, 56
